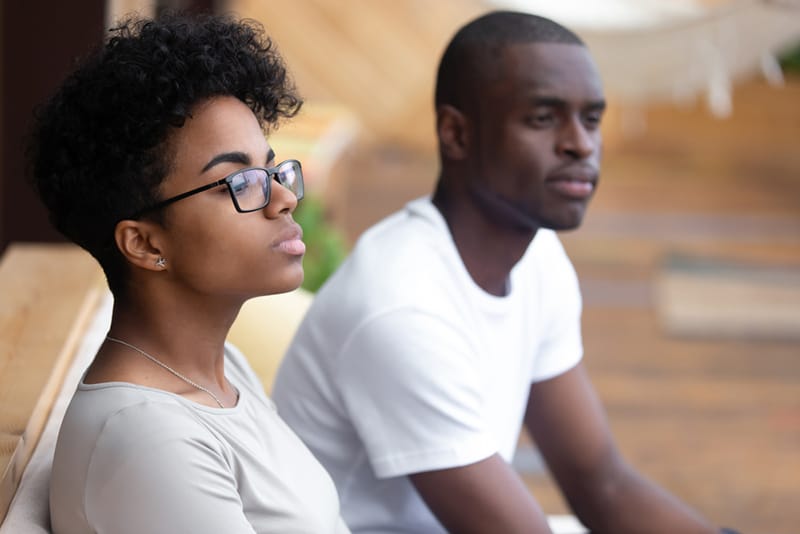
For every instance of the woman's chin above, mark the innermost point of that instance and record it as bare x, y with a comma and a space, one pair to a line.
288, 283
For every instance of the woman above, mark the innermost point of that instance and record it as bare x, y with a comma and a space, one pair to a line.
152, 156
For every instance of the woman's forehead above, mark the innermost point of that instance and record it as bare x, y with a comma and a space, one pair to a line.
218, 126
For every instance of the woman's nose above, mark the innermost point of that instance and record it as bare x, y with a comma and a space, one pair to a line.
281, 200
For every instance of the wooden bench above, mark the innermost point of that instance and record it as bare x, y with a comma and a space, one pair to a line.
49, 294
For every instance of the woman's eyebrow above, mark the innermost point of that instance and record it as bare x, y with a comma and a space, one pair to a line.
270, 156
227, 157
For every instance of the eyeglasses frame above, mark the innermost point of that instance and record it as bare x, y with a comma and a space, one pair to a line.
271, 172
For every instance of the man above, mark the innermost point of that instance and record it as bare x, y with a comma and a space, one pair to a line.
458, 318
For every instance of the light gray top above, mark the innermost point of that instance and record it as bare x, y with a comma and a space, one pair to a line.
131, 459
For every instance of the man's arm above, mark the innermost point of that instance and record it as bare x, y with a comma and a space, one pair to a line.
568, 424
486, 496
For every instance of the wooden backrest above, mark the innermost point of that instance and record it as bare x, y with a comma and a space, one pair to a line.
48, 295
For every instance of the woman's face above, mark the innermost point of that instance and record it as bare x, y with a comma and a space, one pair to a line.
210, 247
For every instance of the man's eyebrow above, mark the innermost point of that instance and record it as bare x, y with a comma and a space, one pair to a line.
554, 101
270, 156
227, 157
598, 105
547, 101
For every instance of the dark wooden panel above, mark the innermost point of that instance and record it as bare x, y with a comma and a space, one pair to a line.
40, 41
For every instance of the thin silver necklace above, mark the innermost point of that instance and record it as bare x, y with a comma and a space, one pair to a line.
167, 367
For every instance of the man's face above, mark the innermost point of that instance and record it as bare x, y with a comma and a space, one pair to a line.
537, 143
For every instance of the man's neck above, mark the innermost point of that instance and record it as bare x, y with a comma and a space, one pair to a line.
488, 249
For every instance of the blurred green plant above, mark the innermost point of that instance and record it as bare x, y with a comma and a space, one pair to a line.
790, 60
325, 245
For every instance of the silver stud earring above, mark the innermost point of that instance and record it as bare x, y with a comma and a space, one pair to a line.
161, 262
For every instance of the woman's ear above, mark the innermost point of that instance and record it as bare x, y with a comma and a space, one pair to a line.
452, 127
139, 242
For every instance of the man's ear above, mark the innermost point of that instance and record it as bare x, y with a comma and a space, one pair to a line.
139, 242
452, 127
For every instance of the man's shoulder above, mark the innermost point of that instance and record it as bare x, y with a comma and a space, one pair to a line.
417, 225
404, 264
400, 252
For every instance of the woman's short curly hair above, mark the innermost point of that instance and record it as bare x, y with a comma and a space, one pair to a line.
99, 149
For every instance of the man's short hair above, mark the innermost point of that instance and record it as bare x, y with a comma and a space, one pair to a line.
477, 46
100, 149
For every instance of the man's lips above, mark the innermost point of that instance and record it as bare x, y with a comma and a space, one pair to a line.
578, 184
291, 241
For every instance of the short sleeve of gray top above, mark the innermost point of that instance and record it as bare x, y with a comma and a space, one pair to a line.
131, 459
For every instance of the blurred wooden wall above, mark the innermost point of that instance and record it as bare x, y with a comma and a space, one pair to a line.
377, 60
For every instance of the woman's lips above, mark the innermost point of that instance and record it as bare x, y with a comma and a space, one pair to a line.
291, 242
294, 247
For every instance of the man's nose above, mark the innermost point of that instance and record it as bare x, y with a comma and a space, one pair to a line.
576, 140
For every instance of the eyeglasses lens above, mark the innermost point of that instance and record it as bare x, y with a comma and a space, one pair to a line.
290, 176
251, 187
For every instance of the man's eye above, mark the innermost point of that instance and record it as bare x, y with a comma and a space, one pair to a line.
540, 119
593, 119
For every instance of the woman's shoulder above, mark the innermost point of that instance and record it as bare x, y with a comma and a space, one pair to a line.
119, 411
113, 424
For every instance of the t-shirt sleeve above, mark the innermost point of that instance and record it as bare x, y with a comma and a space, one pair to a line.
407, 417
561, 345
153, 475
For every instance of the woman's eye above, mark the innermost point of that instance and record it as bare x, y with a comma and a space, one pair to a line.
239, 186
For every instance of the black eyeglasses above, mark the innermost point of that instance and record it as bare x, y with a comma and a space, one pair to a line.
249, 188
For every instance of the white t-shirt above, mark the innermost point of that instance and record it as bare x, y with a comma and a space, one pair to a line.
131, 459
403, 364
